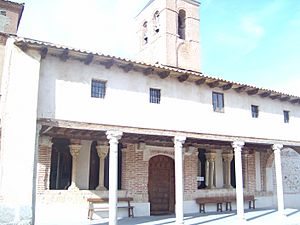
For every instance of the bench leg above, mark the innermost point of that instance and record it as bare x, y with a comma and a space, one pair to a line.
202, 208
228, 206
90, 214
219, 207
130, 212
252, 204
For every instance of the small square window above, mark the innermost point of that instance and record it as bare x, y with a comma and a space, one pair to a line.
154, 95
98, 89
254, 111
286, 116
2, 12
218, 101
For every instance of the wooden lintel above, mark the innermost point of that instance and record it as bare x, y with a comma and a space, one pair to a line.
183, 77
252, 91
276, 96
65, 55
108, 63
88, 59
163, 74
227, 86
128, 67
265, 94
213, 84
44, 52
200, 81
240, 89
148, 71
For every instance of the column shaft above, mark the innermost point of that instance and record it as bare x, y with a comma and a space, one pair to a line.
74, 150
102, 151
280, 199
178, 142
239, 179
113, 137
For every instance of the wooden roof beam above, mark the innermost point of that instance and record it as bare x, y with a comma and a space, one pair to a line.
127, 67
200, 81
88, 59
213, 84
240, 89
183, 77
108, 63
227, 86
285, 98
147, 71
265, 94
43, 52
163, 74
252, 91
295, 100
276, 96
65, 55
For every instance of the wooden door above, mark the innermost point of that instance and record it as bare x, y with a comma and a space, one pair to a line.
161, 185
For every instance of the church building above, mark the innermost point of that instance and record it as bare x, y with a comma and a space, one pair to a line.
77, 125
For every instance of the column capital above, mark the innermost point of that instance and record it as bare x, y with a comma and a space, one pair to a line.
211, 156
74, 149
102, 151
277, 147
114, 136
45, 141
227, 156
237, 145
179, 140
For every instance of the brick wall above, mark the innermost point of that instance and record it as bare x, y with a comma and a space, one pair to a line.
43, 168
249, 175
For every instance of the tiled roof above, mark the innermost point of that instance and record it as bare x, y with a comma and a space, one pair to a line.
179, 73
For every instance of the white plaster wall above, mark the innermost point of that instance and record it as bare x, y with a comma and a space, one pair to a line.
83, 165
65, 89
257, 172
18, 115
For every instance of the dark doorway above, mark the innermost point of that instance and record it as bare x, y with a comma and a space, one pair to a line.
232, 172
161, 185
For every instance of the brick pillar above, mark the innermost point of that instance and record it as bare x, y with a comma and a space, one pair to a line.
227, 158
44, 164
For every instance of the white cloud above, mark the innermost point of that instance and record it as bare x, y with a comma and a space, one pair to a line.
251, 27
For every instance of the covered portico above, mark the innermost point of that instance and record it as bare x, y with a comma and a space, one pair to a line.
149, 143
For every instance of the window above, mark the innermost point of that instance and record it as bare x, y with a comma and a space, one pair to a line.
286, 116
254, 111
154, 95
218, 102
145, 32
156, 24
2, 12
181, 24
98, 89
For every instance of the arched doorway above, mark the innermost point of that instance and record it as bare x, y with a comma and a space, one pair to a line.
161, 185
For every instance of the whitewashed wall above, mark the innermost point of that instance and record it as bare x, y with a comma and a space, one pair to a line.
65, 93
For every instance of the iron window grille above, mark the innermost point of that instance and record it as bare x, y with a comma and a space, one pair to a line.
154, 95
98, 89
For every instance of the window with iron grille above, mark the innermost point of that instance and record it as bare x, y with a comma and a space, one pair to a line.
218, 101
98, 89
254, 111
154, 95
286, 116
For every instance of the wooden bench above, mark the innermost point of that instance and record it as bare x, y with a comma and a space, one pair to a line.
104, 207
223, 199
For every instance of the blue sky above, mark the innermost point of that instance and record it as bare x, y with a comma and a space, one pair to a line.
252, 41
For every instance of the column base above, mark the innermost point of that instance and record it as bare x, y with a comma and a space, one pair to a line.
228, 186
101, 188
73, 187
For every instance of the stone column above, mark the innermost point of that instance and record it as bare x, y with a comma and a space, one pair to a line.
237, 145
210, 160
277, 157
74, 150
178, 143
113, 137
102, 151
227, 158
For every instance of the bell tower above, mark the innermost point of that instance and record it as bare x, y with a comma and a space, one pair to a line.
169, 33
